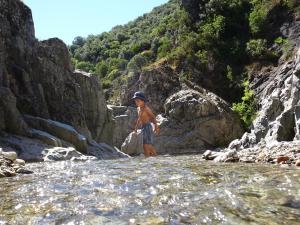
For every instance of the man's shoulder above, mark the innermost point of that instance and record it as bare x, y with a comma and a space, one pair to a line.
148, 108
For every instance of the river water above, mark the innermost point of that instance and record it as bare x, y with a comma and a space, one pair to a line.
160, 190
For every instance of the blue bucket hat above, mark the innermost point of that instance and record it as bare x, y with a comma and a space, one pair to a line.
139, 95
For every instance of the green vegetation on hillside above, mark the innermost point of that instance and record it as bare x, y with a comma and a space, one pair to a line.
225, 36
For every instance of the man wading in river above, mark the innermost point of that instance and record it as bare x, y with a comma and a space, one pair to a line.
145, 117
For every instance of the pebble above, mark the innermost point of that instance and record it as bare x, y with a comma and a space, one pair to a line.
19, 162
10, 155
281, 159
297, 163
23, 171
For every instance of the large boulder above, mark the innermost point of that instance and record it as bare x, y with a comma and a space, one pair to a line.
133, 144
124, 122
42, 80
195, 121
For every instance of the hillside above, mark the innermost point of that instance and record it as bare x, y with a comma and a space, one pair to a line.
209, 42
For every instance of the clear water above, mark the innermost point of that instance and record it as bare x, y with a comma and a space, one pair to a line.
161, 190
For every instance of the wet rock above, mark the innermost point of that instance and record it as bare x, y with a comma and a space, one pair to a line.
10, 155
133, 144
59, 154
104, 151
19, 162
24, 171
210, 155
297, 163
46, 137
228, 156
61, 130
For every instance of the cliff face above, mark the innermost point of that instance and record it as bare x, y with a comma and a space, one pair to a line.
38, 79
275, 131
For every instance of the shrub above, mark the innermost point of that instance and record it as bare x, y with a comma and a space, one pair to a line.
257, 48
106, 84
164, 48
137, 62
85, 66
257, 19
215, 28
285, 46
229, 73
101, 68
246, 108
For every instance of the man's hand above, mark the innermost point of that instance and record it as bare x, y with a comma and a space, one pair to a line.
156, 130
135, 132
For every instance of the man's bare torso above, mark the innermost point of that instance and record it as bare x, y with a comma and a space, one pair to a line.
145, 115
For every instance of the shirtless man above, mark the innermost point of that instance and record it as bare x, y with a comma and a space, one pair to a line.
145, 117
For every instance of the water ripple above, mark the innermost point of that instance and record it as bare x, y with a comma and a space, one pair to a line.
161, 190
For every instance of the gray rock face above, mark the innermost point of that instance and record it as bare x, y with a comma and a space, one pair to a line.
10, 117
65, 109
157, 83
124, 122
275, 131
60, 130
41, 79
194, 122
278, 116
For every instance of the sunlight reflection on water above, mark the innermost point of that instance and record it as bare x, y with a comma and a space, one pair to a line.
161, 190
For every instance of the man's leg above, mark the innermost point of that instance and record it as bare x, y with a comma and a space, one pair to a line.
147, 150
152, 151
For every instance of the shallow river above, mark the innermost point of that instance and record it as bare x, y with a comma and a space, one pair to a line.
161, 190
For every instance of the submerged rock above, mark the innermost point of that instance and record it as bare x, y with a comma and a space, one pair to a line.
105, 151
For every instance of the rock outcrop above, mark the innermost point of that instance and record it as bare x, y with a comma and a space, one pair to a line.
195, 121
158, 82
41, 77
124, 122
65, 109
275, 131
192, 122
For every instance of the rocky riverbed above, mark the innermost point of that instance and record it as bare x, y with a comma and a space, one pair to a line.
161, 190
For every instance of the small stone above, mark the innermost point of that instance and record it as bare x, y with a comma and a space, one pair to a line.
10, 155
24, 171
8, 172
281, 159
297, 163
19, 162
206, 154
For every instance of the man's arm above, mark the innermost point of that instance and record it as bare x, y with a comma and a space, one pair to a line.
153, 119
